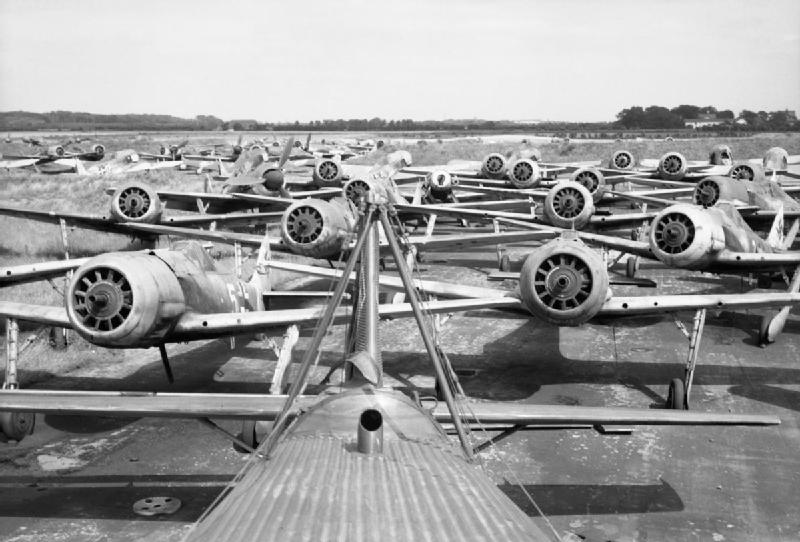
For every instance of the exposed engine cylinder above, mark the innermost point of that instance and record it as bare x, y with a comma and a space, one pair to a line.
686, 236
494, 166
440, 184
136, 202
776, 158
564, 282
356, 189
327, 171
56, 150
592, 179
672, 166
622, 160
717, 188
318, 228
524, 173
124, 300
99, 149
568, 205
720, 155
748, 172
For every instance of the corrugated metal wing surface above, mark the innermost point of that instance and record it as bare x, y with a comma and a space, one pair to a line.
318, 488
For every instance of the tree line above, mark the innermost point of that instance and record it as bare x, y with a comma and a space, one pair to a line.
634, 118
659, 117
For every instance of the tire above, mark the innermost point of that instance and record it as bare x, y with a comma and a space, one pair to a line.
676, 397
763, 331
631, 266
248, 436
58, 338
16, 425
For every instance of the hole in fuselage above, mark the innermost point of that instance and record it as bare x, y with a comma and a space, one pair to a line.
371, 420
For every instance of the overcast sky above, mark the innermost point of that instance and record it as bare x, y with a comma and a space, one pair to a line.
420, 59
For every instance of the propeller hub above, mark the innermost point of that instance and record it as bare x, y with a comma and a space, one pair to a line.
273, 179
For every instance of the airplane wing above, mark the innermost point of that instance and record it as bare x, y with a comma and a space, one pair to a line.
10, 163
756, 260
522, 414
195, 326
639, 305
267, 407
103, 223
616, 306
21, 274
41, 314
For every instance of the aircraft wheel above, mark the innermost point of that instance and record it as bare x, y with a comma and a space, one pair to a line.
420, 257
438, 390
631, 266
248, 436
58, 338
763, 331
15, 425
676, 397
505, 263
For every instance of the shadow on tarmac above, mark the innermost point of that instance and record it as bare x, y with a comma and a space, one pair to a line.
594, 499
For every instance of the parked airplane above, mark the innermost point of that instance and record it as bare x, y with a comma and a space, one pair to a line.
673, 166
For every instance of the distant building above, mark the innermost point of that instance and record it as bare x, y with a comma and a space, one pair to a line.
705, 119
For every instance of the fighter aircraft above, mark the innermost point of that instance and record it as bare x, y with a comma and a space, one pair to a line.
60, 151
360, 446
673, 166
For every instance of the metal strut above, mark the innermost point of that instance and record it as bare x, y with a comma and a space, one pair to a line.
430, 346
312, 351
694, 349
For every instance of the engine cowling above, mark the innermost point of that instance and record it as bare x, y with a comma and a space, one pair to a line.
524, 173
318, 228
494, 166
136, 202
564, 282
328, 171
686, 236
55, 150
717, 188
568, 205
672, 166
440, 184
272, 181
622, 160
720, 155
124, 300
776, 158
748, 172
591, 179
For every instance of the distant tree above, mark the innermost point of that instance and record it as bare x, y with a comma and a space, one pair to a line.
725, 114
686, 111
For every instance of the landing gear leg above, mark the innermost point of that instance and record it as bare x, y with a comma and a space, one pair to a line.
14, 425
678, 395
503, 260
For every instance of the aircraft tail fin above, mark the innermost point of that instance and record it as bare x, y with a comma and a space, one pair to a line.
775, 239
261, 279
